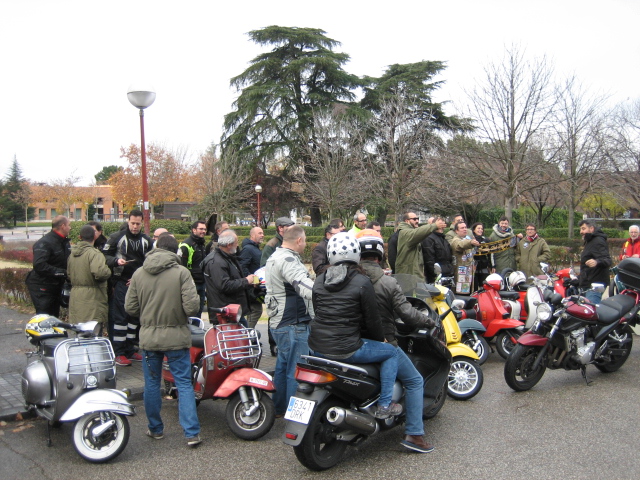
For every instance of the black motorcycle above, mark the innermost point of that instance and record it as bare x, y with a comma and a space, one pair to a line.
334, 405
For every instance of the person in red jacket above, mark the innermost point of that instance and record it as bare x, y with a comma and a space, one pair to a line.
631, 248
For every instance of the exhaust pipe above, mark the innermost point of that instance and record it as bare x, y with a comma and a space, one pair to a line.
361, 423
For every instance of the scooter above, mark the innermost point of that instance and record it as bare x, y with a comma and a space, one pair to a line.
74, 380
465, 375
334, 405
224, 360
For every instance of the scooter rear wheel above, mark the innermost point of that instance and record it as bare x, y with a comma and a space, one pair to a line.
504, 345
100, 448
254, 426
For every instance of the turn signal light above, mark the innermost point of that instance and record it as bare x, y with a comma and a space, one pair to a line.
314, 376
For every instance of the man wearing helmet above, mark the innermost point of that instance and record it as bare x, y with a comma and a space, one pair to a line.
392, 304
344, 303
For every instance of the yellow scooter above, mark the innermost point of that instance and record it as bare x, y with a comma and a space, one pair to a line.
465, 376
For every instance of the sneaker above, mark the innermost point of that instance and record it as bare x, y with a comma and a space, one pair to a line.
157, 436
390, 410
122, 361
417, 443
136, 356
194, 441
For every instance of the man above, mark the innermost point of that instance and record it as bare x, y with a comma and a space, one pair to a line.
436, 249
319, 260
125, 251
218, 228
393, 304
99, 238
88, 273
157, 232
410, 237
191, 252
451, 233
506, 258
249, 259
288, 301
392, 247
163, 295
462, 247
339, 223
50, 255
631, 247
595, 260
532, 250
282, 224
359, 223
224, 278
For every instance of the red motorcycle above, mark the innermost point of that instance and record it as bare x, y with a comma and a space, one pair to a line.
494, 313
224, 361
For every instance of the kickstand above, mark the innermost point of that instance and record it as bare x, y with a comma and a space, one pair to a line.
583, 369
48, 433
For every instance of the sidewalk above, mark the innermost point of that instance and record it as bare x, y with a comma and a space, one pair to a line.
12, 403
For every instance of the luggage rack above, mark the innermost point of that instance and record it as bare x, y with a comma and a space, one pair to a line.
90, 356
235, 344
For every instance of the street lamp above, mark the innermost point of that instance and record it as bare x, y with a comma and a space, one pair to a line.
142, 98
258, 191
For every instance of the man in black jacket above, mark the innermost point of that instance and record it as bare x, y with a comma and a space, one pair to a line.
50, 255
319, 260
436, 249
249, 258
595, 260
191, 252
124, 252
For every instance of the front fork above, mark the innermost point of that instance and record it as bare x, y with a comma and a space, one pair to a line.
250, 405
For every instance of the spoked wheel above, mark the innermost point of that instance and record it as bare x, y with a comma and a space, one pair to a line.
519, 372
100, 436
433, 409
320, 449
504, 344
465, 378
621, 342
478, 344
249, 422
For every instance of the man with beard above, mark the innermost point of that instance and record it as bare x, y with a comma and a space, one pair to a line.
595, 260
191, 253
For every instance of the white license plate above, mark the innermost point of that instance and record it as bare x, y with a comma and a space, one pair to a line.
299, 410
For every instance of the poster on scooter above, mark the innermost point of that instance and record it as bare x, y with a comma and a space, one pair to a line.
465, 279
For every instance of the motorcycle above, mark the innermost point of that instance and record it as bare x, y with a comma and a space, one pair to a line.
74, 380
578, 333
492, 312
224, 365
334, 405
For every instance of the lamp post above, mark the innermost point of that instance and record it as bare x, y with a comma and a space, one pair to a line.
142, 98
258, 191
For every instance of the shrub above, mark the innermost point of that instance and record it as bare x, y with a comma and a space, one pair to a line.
13, 287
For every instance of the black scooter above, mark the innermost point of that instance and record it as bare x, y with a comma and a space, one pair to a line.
335, 402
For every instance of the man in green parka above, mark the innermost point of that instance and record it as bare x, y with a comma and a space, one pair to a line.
409, 259
88, 273
532, 250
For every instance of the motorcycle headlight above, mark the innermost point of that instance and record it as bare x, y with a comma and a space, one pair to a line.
544, 312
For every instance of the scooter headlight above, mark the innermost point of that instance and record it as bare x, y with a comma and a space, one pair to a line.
544, 312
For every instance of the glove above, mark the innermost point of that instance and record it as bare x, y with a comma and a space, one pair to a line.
575, 282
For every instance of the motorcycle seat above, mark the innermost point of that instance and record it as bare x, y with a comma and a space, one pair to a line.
509, 295
197, 336
614, 308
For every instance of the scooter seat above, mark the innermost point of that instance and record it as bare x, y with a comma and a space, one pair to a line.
197, 336
509, 295
49, 345
372, 369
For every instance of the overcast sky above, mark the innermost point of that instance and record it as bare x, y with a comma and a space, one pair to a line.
67, 64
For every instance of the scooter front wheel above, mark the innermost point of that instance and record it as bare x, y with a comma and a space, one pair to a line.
504, 344
252, 424
465, 378
98, 442
478, 344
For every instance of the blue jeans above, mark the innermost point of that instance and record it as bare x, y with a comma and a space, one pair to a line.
180, 366
413, 394
593, 297
292, 341
201, 289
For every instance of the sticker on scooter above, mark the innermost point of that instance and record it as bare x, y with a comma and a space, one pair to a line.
259, 381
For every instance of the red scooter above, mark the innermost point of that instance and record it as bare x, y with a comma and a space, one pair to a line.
224, 361
495, 317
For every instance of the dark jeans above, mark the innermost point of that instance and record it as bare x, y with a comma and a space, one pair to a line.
46, 298
201, 289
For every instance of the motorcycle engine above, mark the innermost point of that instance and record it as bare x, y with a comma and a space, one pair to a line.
577, 343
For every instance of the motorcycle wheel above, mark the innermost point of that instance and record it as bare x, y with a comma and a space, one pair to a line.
465, 378
106, 446
250, 427
320, 449
433, 409
518, 371
504, 345
617, 336
481, 347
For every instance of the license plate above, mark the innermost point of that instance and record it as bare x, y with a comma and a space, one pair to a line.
299, 410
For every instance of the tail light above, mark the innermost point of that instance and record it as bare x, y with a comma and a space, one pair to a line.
507, 307
314, 376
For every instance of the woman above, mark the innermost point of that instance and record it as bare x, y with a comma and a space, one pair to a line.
344, 303
483, 262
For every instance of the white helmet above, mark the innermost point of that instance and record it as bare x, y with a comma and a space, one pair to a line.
342, 247
494, 281
516, 278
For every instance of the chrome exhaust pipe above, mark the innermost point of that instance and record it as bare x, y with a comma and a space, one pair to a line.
361, 423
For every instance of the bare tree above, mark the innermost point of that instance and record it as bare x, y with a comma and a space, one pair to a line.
511, 108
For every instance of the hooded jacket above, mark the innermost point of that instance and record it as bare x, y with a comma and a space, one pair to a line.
88, 273
530, 254
596, 248
409, 258
163, 295
344, 303
506, 258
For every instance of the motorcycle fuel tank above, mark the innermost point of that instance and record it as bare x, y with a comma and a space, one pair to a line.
582, 311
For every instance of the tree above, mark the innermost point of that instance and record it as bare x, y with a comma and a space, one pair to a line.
104, 175
13, 204
511, 108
